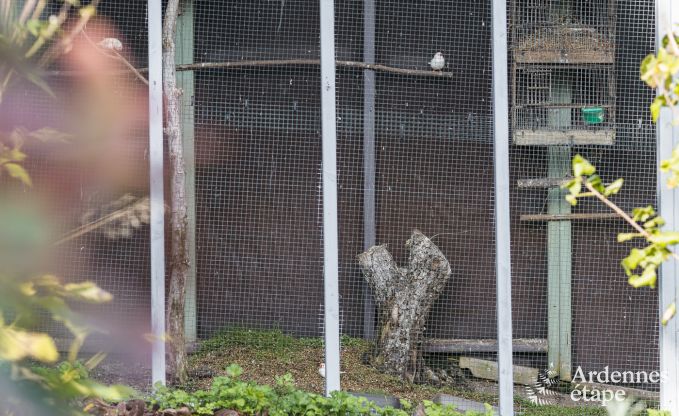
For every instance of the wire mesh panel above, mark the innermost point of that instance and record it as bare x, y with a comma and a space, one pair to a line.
569, 289
415, 152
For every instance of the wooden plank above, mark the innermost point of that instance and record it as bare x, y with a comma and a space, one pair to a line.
567, 137
185, 82
458, 346
369, 159
559, 244
561, 57
487, 370
542, 182
567, 217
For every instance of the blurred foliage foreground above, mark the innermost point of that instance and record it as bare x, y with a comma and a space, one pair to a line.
33, 36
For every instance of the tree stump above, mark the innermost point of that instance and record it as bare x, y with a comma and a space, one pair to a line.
404, 296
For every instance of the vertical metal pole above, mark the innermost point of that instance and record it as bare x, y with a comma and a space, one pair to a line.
329, 173
369, 227
185, 82
154, 13
668, 200
666, 17
502, 227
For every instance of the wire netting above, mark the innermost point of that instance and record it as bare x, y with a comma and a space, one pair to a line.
415, 151
580, 97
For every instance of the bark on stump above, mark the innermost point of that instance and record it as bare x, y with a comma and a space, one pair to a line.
404, 296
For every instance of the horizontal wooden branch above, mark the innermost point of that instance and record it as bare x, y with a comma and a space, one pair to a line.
278, 62
567, 217
541, 182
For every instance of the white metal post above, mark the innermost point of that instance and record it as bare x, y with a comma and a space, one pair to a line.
667, 16
669, 273
154, 13
329, 173
502, 228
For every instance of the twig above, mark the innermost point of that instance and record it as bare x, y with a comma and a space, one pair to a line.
115, 56
624, 215
280, 62
100, 222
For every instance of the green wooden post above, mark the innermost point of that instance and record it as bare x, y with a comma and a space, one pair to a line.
559, 255
185, 82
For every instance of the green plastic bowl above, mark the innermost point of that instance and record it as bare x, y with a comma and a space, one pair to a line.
593, 115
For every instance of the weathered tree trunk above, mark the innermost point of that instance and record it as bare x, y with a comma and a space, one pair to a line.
179, 261
404, 296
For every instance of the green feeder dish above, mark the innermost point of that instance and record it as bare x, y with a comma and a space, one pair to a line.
593, 115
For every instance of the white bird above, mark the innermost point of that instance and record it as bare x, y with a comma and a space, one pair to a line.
321, 370
111, 44
437, 62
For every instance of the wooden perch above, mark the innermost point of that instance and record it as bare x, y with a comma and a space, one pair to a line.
405, 296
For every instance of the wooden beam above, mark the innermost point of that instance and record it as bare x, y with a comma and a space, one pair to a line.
369, 159
561, 57
559, 244
458, 346
185, 82
567, 217
487, 370
565, 137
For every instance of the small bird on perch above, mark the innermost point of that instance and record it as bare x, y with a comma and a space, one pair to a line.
321, 370
437, 62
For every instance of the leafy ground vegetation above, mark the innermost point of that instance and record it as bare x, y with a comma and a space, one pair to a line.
288, 364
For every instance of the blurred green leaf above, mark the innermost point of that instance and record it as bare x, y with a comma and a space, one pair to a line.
582, 167
648, 278
666, 238
87, 291
632, 261
614, 187
623, 237
667, 315
18, 172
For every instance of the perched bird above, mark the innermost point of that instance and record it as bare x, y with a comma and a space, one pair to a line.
111, 44
321, 370
437, 62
